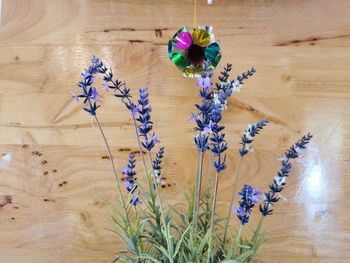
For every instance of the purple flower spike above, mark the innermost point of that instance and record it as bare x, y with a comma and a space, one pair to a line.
184, 40
272, 196
130, 180
249, 196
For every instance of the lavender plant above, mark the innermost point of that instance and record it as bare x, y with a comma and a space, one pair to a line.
154, 232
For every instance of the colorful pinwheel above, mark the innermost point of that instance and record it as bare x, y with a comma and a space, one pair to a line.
189, 51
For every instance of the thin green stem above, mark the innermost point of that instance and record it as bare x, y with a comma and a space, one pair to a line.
255, 236
114, 171
211, 229
237, 240
111, 159
139, 145
209, 166
214, 201
198, 188
234, 189
258, 228
156, 186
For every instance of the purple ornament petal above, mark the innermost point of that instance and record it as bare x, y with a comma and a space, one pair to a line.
184, 40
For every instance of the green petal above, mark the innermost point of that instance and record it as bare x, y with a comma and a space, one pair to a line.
179, 60
170, 49
212, 51
216, 61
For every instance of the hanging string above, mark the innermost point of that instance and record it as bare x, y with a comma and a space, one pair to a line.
194, 13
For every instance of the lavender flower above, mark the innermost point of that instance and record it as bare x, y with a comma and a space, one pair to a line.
249, 197
224, 75
130, 180
91, 95
155, 139
246, 75
135, 110
208, 129
296, 150
218, 139
225, 87
157, 163
88, 92
248, 136
202, 118
204, 82
279, 182
144, 119
94, 94
201, 141
193, 117
119, 87
209, 116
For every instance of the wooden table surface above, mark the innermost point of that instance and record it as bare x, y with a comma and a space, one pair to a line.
53, 173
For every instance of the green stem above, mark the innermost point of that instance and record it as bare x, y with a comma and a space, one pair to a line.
139, 145
149, 180
213, 216
156, 187
255, 236
209, 166
258, 228
111, 159
234, 189
237, 240
214, 200
114, 171
198, 188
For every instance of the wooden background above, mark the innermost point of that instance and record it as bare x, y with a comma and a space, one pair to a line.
53, 174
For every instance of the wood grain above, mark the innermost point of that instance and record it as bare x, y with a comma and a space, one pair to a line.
54, 174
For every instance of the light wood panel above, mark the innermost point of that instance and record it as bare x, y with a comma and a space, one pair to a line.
54, 174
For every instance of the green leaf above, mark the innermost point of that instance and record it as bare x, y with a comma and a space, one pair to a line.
245, 255
180, 241
149, 258
163, 250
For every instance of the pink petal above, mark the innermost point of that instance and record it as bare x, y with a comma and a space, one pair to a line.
184, 40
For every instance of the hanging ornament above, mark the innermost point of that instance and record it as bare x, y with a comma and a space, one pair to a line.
189, 51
